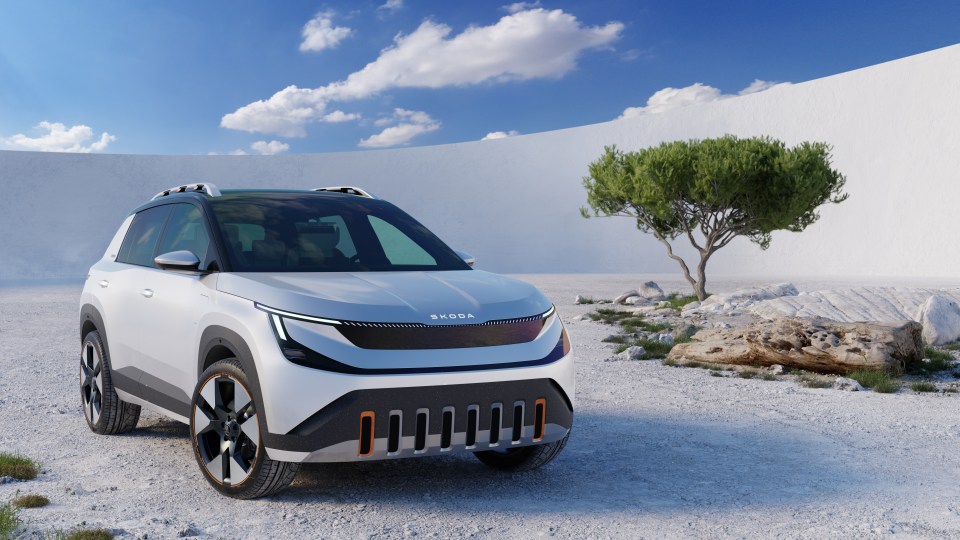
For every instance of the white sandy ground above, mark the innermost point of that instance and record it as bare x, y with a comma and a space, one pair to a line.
656, 452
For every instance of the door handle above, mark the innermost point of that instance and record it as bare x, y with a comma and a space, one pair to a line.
147, 293
104, 283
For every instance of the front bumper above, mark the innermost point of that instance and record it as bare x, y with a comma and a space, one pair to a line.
389, 423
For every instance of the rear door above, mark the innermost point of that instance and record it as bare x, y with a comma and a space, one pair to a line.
123, 303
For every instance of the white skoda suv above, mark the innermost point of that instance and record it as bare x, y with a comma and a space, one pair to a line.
314, 326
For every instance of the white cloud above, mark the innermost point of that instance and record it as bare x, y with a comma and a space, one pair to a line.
673, 98
340, 116
531, 44
391, 6
759, 86
59, 138
411, 124
319, 33
265, 148
500, 135
520, 6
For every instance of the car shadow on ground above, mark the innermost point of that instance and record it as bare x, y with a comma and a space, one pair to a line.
612, 463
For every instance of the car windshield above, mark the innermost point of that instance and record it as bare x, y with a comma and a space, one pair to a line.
296, 232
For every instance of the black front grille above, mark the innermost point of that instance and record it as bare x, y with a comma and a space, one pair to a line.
406, 336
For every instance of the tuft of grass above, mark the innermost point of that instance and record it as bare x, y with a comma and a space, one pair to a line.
951, 346
9, 521
951, 390
886, 387
586, 300
811, 382
870, 377
30, 501
923, 386
748, 374
615, 339
677, 301
18, 467
694, 364
934, 361
768, 377
82, 534
669, 362
716, 374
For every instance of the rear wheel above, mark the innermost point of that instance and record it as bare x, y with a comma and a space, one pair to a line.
104, 411
226, 425
525, 458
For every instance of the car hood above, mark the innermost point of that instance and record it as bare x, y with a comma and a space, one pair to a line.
447, 297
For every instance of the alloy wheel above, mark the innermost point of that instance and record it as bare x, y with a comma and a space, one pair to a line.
91, 382
226, 431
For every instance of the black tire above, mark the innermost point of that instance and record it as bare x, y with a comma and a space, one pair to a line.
525, 458
226, 436
105, 413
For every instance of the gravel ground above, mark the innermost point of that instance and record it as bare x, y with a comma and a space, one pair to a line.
656, 452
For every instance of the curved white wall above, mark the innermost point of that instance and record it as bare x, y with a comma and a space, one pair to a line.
514, 202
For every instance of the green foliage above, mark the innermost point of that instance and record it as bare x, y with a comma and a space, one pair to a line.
30, 501
814, 381
713, 190
17, 466
768, 377
748, 374
923, 386
631, 323
677, 301
79, 534
878, 381
9, 521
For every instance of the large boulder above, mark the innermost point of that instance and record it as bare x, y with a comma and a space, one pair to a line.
651, 291
812, 344
940, 317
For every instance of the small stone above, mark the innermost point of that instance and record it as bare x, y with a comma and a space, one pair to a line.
635, 352
850, 385
633, 300
721, 325
777, 369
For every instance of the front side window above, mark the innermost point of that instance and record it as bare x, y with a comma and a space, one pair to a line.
140, 243
187, 231
310, 233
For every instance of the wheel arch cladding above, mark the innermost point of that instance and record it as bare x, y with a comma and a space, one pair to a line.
91, 320
219, 343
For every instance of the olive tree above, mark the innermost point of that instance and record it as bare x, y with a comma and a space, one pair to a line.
711, 191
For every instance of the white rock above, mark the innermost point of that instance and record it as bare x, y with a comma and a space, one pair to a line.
691, 306
940, 317
662, 338
623, 297
743, 298
633, 300
579, 299
633, 353
578, 318
777, 369
856, 304
651, 291
850, 385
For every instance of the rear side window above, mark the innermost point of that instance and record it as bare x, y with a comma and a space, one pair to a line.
140, 243
188, 232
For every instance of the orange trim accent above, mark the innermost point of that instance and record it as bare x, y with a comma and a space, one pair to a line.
372, 416
542, 402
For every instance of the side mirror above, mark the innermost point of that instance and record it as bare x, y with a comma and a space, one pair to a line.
467, 258
178, 260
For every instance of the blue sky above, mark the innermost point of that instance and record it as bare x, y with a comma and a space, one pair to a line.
188, 77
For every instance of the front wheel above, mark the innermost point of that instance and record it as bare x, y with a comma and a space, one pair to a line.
525, 458
226, 425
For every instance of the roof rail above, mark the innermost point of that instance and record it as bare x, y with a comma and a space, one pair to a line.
207, 188
349, 190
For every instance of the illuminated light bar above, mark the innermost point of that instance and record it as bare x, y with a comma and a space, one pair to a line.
296, 316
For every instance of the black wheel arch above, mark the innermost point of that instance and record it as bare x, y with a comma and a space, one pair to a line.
219, 343
90, 320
